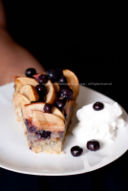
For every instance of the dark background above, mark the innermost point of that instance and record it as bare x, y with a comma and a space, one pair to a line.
45, 40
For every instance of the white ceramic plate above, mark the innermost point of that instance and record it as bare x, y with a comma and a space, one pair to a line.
15, 155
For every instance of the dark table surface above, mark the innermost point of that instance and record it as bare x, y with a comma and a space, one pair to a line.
106, 74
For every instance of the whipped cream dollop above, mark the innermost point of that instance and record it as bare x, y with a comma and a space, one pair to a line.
100, 125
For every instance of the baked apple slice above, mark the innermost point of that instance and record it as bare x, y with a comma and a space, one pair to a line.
40, 107
72, 81
21, 81
51, 94
30, 92
56, 86
57, 112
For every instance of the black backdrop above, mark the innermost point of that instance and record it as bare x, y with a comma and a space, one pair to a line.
103, 73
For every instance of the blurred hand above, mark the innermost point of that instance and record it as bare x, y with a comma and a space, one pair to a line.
14, 59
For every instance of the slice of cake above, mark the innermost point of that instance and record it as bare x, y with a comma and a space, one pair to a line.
44, 104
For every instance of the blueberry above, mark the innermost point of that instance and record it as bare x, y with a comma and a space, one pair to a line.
66, 93
41, 89
60, 104
48, 108
76, 151
43, 134
53, 75
93, 145
42, 79
30, 72
29, 126
62, 80
98, 106
31, 129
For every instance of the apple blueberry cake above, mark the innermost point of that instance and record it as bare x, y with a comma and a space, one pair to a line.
44, 104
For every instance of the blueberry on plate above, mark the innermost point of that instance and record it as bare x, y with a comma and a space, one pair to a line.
93, 145
98, 106
30, 72
76, 151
